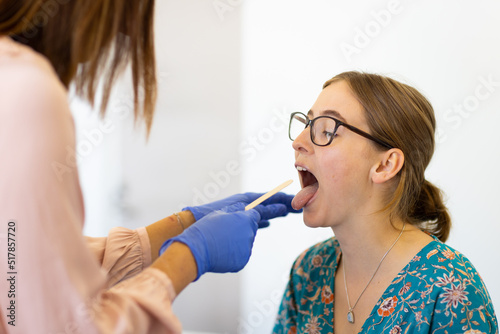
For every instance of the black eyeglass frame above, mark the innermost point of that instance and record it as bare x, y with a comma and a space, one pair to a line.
338, 123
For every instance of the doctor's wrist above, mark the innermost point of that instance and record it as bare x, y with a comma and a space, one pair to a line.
179, 264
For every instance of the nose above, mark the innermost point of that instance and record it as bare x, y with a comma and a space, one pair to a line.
303, 142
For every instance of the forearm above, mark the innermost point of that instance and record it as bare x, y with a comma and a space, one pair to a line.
167, 228
179, 264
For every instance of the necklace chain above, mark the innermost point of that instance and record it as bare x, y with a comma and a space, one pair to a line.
350, 314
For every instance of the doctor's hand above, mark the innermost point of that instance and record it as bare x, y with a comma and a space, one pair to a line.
246, 198
222, 240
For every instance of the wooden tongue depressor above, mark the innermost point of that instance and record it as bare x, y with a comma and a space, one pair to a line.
267, 195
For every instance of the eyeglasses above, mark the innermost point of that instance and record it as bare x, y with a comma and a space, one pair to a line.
323, 129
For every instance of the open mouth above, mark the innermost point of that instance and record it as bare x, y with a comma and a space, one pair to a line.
310, 186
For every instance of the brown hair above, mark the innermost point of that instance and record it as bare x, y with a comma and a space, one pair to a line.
402, 117
89, 40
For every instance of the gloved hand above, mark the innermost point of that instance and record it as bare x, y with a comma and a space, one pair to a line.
246, 198
222, 241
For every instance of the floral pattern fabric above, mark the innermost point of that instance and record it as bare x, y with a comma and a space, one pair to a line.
438, 291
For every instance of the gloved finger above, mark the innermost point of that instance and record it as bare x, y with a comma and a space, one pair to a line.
239, 208
264, 223
278, 198
202, 210
233, 208
282, 198
271, 211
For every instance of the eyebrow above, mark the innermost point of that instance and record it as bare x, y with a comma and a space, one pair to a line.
328, 112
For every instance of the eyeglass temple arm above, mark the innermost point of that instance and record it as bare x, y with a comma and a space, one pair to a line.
366, 135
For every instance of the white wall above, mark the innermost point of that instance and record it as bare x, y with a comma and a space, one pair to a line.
233, 71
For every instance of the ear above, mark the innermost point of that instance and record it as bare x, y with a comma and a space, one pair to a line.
388, 166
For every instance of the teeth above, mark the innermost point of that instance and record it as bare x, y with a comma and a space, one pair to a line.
301, 169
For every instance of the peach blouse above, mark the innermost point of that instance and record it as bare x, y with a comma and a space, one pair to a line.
53, 279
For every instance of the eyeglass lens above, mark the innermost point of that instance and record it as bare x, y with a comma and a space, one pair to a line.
322, 128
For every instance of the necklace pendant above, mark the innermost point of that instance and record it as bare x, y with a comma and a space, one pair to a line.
350, 317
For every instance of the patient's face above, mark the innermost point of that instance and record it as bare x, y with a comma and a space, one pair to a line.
341, 169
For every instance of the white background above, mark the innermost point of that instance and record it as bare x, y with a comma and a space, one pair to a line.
232, 71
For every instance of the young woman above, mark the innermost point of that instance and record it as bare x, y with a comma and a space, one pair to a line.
54, 280
361, 153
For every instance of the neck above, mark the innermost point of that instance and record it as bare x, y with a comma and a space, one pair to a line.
365, 241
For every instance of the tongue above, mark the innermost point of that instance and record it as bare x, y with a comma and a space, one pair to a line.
303, 196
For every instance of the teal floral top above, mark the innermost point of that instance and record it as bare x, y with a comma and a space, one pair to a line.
439, 291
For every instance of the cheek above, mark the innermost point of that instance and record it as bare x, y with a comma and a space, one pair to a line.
345, 173
334, 179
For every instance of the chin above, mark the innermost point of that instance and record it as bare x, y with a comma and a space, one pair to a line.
311, 219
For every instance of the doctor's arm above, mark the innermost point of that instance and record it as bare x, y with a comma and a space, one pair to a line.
174, 225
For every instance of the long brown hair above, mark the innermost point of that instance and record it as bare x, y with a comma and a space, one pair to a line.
401, 116
89, 41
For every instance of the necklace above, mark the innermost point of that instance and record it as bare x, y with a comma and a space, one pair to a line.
350, 314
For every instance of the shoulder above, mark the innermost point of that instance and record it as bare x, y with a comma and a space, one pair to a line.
444, 292
444, 258
459, 291
16, 55
36, 125
322, 254
27, 78
34, 101
453, 282
443, 265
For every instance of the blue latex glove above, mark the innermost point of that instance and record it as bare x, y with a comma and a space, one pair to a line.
246, 198
222, 240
